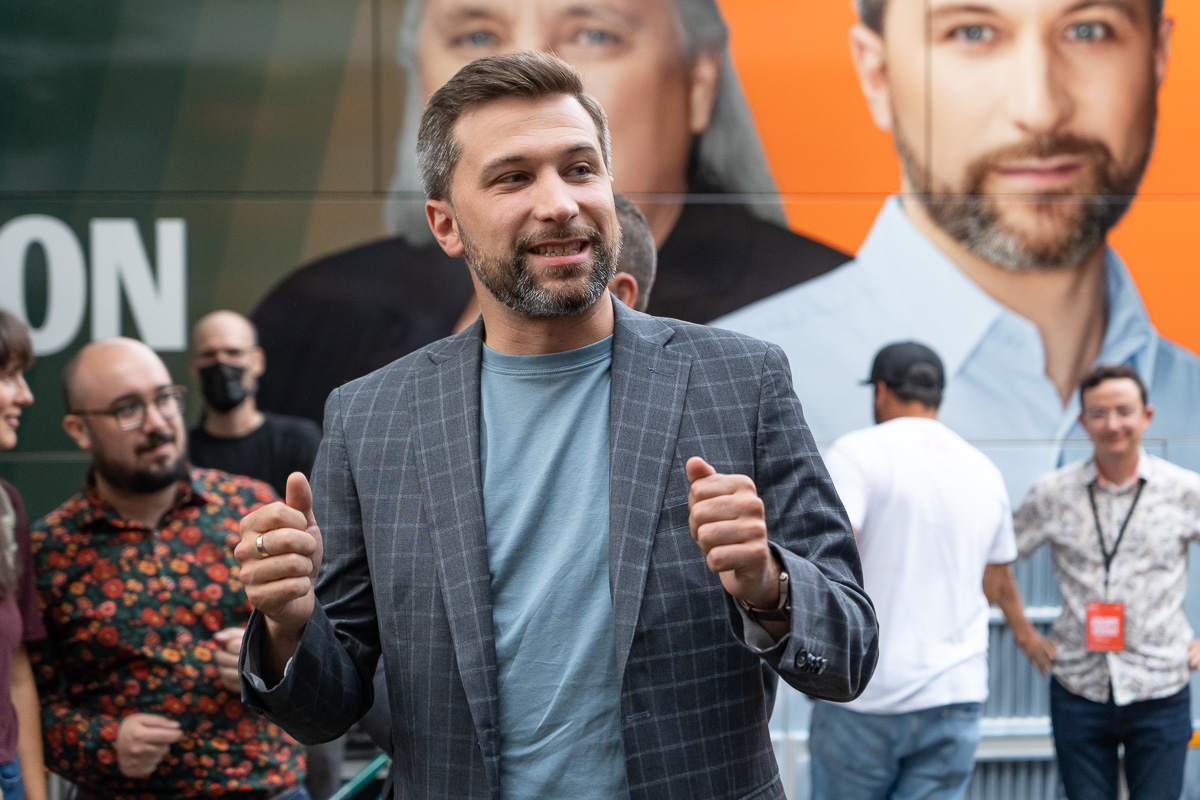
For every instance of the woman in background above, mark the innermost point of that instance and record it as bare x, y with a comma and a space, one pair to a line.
22, 774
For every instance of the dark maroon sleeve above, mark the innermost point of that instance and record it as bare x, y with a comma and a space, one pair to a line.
27, 597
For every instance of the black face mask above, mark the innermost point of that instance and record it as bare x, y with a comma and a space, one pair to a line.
222, 386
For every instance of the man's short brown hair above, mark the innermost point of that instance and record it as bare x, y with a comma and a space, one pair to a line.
527, 74
1108, 373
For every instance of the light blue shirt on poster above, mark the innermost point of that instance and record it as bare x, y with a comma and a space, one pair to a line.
902, 287
544, 455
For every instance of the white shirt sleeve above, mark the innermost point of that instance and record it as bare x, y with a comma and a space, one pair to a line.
849, 480
1004, 543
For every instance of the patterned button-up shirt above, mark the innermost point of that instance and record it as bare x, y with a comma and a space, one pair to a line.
131, 612
1148, 573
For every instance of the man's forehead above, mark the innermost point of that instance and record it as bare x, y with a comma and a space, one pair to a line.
1113, 390
221, 331
112, 372
450, 12
1023, 9
515, 127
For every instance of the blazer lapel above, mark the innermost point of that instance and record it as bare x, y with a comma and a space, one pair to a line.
649, 384
447, 422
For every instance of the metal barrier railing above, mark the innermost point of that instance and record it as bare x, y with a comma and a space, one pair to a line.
362, 779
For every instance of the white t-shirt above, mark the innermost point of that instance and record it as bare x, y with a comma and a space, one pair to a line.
931, 512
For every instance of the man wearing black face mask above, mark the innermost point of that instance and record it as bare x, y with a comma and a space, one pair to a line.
233, 434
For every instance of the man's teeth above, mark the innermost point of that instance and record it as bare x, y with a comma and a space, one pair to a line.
558, 250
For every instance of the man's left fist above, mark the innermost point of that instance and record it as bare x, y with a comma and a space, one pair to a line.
727, 520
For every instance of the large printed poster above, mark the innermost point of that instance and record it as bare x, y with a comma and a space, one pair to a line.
157, 163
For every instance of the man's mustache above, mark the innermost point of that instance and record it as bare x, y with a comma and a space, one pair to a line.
154, 440
590, 233
1041, 147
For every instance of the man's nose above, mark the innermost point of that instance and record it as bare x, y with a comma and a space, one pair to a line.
554, 200
1036, 87
155, 421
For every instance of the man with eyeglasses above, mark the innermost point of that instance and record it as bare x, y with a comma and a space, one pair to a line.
1119, 525
138, 673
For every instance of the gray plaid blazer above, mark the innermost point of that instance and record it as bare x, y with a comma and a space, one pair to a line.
405, 570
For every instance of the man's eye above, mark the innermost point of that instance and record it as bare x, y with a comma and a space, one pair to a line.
1087, 31
594, 37
125, 410
476, 39
974, 33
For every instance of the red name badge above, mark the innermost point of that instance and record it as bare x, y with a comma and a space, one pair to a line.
1105, 627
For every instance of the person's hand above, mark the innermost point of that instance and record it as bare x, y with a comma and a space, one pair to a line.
229, 642
727, 520
280, 583
1194, 654
1040, 650
142, 741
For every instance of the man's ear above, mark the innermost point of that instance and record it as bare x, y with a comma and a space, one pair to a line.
625, 287
258, 362
706, 74
870, 62
444, 226
75, 427
1162, 50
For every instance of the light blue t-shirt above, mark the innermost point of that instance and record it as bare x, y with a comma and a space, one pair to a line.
544, 456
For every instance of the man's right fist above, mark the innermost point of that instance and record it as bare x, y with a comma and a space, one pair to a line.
280, 554
142, 741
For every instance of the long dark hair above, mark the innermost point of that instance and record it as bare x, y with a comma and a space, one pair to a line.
16, 352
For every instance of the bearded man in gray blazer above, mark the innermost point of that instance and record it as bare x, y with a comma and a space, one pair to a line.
573, 532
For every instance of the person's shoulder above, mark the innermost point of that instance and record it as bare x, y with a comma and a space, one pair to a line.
234, 492
11, 491
393, 376
289, 425
864, 439
794, 313
1181, 477
378, 258
704, 341
1054, 482
1176, 376
352, 278
65, 520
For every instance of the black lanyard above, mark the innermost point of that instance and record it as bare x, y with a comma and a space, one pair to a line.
1109, 555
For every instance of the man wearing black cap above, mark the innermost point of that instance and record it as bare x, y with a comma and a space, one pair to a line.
935, 532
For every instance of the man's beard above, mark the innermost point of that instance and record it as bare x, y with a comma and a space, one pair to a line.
1081, 219
510, 280
141, 480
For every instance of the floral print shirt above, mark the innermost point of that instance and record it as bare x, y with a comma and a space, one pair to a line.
130, 614
1148, 573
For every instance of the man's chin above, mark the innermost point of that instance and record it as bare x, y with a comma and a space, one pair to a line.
1034, 235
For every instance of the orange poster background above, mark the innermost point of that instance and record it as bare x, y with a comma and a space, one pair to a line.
834, 167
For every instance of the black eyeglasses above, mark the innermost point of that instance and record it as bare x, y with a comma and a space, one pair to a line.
130, 413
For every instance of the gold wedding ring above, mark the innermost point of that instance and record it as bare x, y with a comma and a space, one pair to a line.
258, 545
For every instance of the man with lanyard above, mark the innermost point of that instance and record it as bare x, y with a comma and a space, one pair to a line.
1119, 524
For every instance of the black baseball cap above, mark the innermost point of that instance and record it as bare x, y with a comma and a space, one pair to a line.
908, 365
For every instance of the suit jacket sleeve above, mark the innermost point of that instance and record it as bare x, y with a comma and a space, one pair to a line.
831, 650
327, 685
